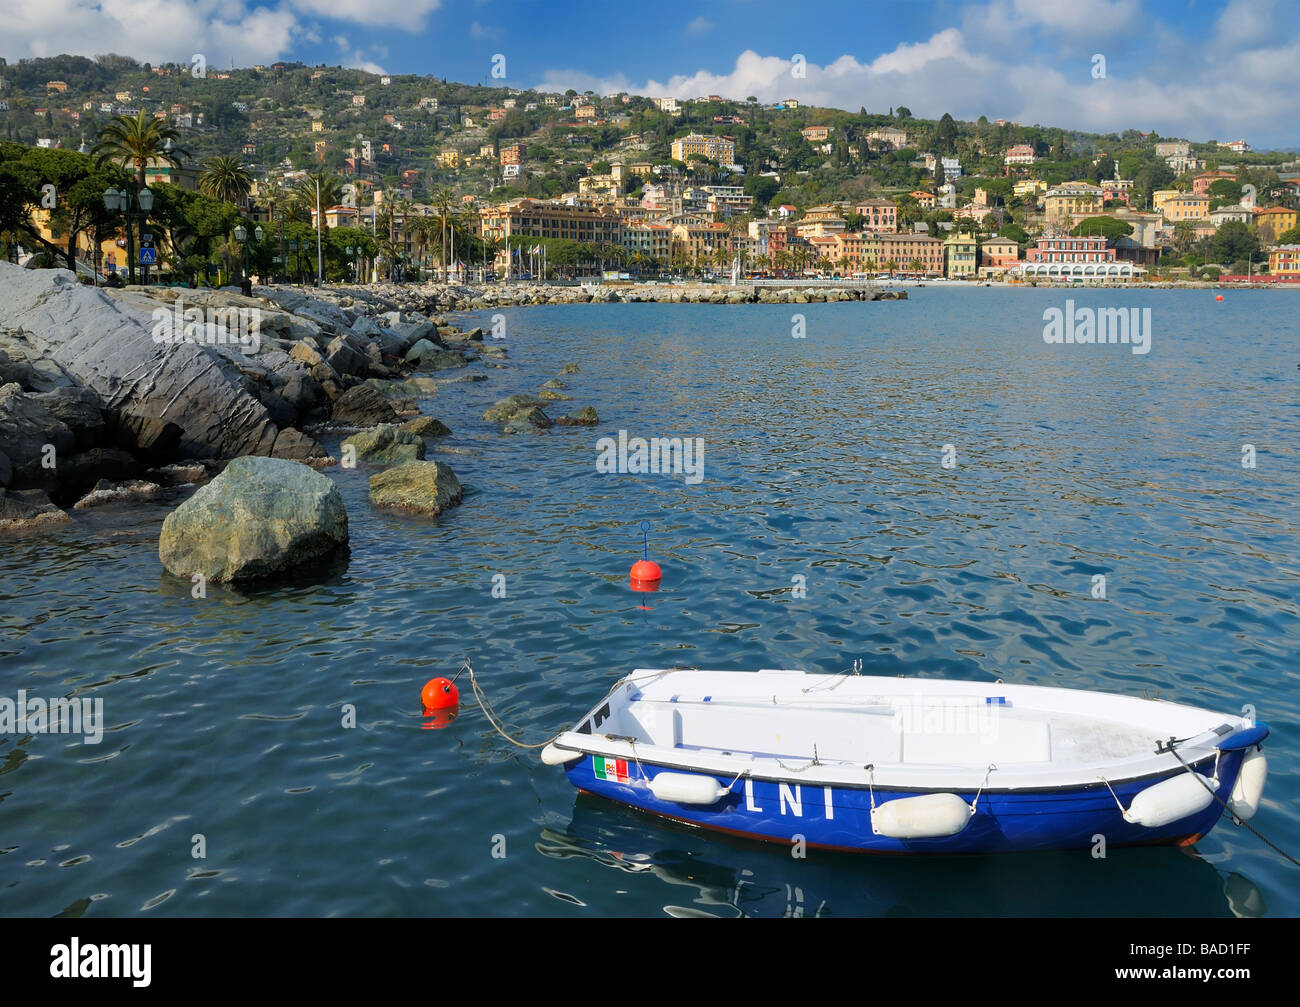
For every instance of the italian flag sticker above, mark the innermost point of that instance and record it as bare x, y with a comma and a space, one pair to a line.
614, 770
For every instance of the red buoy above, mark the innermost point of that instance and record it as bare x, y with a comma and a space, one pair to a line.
645, 575
439, 694
436, 720
1218, 297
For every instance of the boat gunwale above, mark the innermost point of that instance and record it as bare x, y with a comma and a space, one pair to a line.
1199, 748
646, 755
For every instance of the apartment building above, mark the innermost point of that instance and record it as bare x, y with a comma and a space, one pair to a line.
960, 253
905, 253
1176, 205
537, 218
1064, 202
878, 215
716, 148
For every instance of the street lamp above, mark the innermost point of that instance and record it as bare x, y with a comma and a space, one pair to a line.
119, 201
241, 235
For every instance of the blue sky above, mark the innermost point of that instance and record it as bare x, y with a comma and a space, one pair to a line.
1207, 69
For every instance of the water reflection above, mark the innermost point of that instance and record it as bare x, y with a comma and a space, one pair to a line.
731, 877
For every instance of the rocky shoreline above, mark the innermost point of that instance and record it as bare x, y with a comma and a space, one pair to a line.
145, 394
151, 393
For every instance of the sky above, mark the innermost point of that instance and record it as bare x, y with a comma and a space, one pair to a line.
1200, 69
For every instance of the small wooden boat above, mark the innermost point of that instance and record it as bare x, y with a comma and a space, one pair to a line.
899, 765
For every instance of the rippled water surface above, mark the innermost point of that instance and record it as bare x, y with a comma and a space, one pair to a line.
822, 461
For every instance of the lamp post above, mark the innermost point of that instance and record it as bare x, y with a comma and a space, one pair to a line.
119, 201
241, 235
353, 252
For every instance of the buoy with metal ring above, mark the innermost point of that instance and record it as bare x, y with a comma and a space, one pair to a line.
439, 694
645, 574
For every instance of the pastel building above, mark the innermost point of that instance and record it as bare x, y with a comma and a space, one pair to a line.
999, 253
959, 256
716, 148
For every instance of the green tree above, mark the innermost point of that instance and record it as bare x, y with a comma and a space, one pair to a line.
226, 178
135, 143
762, 188
1233, 240
1107, 227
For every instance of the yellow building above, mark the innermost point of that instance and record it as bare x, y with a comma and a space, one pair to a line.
1063, 202
1272, 222
699, 243
1028, 187
449, 159
959, 251
1175, 205
715, 148
1284, 261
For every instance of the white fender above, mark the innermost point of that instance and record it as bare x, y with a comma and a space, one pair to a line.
687, 788
1170, 800
929, 816
1249, 787
553, 756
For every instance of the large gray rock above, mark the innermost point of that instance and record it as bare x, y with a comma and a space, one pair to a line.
417, 487
260, 517
80, 410
386, 445
105, 342
33, 439
363, 406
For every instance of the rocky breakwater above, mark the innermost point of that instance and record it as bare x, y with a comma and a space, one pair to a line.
476, 297
106, 394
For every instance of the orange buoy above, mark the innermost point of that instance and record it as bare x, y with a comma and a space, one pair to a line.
645, 575
436, 720
1218, 297
439, 694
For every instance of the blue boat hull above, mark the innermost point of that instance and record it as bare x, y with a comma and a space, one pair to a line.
840, 817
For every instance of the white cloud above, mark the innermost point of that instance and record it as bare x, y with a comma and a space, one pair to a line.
1079, 17
700, 26
408, 14
1230, 83
482, 31
153, 30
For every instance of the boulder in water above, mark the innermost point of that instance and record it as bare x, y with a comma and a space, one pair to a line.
260, 517
418, 487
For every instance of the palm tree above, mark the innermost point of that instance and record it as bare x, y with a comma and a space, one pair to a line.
444, 201
227, 179
302, 196
139, 141
419, 228
136, 141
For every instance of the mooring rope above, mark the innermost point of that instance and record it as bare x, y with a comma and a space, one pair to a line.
1228, 811
488, 712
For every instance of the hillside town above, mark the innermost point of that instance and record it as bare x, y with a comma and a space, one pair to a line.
366, 178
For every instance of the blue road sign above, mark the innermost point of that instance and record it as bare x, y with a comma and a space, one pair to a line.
147, 257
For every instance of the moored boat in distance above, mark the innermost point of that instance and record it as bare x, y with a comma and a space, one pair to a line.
913, 765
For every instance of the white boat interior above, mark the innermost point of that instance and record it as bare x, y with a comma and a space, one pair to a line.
911, 731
